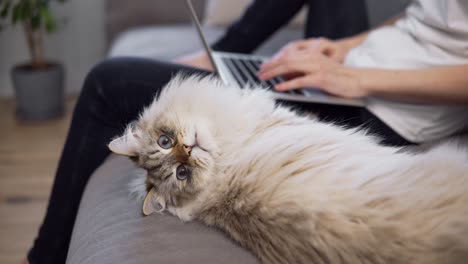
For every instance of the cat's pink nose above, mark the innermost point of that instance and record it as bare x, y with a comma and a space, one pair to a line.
187, 149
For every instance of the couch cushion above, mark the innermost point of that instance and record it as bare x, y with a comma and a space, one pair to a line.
168, 42
122, 15
111, 229
161, 42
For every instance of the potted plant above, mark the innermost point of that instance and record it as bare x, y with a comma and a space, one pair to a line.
38, 83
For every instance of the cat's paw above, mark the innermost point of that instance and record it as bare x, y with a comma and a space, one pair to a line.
184, 214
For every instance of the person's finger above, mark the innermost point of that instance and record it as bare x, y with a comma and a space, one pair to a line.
304, 44
336, 56
284, 53
327, 48
290, 67
268, 64
273, 63
291, 57
290, 76
296, 83
275, 71
300, 61
336, 85
309, 80
281, 53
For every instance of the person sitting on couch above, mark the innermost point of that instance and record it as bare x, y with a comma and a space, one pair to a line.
409, 70
420, 58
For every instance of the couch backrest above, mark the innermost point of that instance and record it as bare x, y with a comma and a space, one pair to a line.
122, 15
125, 14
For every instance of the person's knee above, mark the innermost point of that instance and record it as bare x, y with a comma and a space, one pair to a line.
99, 76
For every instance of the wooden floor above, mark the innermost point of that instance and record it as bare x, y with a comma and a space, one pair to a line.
28, 157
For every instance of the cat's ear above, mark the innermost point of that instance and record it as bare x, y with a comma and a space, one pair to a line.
153, 203
125, 145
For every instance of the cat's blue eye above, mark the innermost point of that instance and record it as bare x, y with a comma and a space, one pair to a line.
165, 142
182, 173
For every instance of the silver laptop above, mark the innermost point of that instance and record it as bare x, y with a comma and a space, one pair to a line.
241, 69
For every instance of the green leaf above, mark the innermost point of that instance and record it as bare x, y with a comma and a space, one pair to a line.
35, 12
36, 22
16, 13
49, 20
26, 10
5, 9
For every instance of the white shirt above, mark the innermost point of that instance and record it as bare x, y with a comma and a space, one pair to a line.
433, 33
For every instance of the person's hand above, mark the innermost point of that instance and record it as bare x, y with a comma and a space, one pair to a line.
198, 60
311, 68
335, 50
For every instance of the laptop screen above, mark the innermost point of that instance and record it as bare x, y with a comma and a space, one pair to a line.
196, 21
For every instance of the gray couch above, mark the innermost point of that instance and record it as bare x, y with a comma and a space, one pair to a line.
109, 227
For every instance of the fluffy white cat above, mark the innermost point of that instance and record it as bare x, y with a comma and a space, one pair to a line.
292, 189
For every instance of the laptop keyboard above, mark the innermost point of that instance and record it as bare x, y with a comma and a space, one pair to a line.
245, 72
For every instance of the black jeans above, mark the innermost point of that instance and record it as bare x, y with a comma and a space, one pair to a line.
114, 93
334, 19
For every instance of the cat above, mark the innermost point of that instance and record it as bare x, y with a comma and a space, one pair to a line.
293, 189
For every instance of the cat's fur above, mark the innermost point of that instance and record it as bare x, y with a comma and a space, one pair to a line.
295, 190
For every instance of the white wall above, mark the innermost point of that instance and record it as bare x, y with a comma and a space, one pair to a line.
78, 43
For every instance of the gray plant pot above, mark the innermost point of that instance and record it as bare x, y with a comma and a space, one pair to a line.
39, 92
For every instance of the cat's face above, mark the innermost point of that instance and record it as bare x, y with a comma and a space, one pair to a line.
182, 137
174, 140
178, 157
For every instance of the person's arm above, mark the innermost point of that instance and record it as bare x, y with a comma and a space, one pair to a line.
435, 85
333, 49
447, 84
